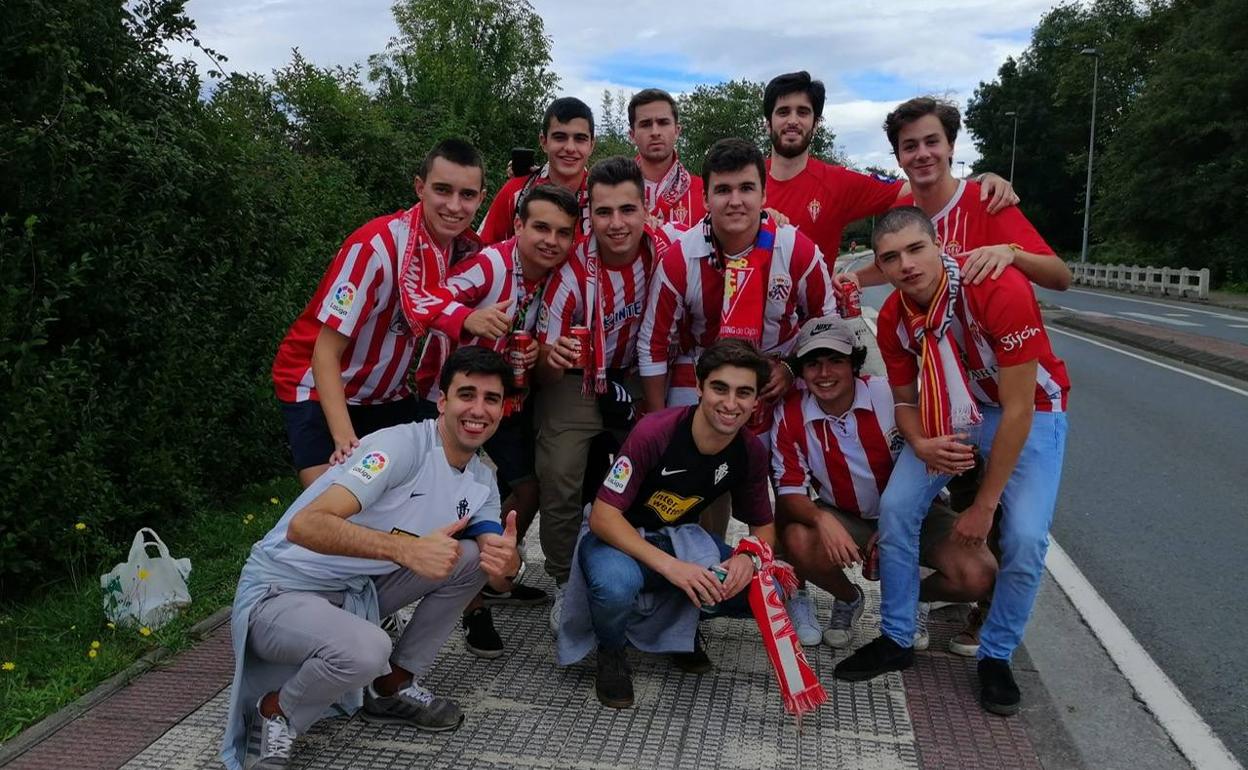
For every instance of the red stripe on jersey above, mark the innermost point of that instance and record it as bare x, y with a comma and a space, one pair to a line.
837, 468
876, 445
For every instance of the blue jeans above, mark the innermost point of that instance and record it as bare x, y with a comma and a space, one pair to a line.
1028, 501
615, 580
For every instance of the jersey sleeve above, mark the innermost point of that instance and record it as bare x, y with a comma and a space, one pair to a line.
664, 308
866, 195
465, 284
1011, 318
638, 456
500, 219
353, 294
751, 498
1010, 226
384, 460
815, 284
902, 365
788, 457
487, 519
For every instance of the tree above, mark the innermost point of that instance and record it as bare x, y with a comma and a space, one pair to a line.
611, 127
473, 68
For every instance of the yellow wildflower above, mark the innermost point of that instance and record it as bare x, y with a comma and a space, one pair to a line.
143, 574
274, 501
95, 645
145, 631
112, 626
8, 665
92, 653
80, 526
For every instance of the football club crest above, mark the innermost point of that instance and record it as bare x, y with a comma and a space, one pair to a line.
780, 288
720, 472
679, 214
813, 208
736, 276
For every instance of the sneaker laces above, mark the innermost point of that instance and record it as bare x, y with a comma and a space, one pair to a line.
417, 693
843, 612
278, 737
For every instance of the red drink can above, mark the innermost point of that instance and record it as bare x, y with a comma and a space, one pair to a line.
848, 300
517, 345
584, 359
871, 561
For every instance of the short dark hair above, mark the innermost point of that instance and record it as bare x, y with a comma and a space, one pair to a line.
900, 218
728, 155
733, 352
475, 359
909, 111
650, 96
794, 83
566, 109
857, 359
618, 169
553, 193
461, 152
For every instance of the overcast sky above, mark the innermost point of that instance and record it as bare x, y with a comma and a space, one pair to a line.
870, 55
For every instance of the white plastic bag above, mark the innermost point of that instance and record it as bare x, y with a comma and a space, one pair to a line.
146, 590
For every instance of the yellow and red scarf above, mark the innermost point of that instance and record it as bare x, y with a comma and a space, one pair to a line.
745, 283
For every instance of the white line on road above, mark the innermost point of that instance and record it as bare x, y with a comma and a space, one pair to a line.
1162, 318
1238, 326
1193, 375
1190, 733
1170, 305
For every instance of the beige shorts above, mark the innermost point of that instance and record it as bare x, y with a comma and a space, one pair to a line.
936, 527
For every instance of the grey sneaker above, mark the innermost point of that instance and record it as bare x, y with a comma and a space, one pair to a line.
845, 616
802, 612
556, 609
269, 743
921, 638
413, 705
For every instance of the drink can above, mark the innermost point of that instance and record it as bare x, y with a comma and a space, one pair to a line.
517, 344
848, 300
871, 562
720, 572
584, 359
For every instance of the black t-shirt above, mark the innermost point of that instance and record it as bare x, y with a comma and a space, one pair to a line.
660, 479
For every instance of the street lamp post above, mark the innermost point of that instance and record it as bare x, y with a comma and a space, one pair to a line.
962, 163
1013, 143
1087, 196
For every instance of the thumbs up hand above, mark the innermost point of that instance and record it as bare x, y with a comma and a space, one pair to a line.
499, 557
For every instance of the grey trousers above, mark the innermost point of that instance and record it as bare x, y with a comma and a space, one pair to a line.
338, 652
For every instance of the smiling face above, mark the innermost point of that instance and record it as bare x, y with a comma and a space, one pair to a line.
910, 260
727, 397
567, 146
470, 407
924, 152
735, 200
545, 239
792, 125
450, 195
829, 375
654, 131
618, 217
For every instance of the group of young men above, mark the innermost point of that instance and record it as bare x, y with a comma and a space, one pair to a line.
657, 349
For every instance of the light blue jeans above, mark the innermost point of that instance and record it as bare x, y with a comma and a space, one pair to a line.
1028, 501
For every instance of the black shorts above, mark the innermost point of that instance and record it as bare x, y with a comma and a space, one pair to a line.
512, 449
310, 440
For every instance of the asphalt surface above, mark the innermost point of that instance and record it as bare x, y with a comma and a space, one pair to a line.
1219, 323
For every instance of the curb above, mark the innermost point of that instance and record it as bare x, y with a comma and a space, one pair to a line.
1223, 365
49, 725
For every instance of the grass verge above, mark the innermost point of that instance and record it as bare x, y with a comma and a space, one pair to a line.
58, 645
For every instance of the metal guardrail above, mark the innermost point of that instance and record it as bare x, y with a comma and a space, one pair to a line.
1178, 281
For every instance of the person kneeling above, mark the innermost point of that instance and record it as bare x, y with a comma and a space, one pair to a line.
643, 566
416, 516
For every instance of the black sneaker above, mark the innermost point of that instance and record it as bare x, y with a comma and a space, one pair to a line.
998, 692
614, 683
519, 595
480, 637
695, 662
412, 705
878, 656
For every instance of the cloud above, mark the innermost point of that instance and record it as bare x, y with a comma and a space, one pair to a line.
869, 55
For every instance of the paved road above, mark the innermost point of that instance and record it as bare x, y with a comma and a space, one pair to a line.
1216, 322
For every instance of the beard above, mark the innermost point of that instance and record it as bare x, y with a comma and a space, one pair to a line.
790, 151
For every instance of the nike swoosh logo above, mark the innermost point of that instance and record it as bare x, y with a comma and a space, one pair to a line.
415, 494
666, 472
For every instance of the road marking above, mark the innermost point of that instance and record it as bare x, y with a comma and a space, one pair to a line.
1186, 728
1163, 319
1172, 306
1238, 326
1193, 375
1185, 315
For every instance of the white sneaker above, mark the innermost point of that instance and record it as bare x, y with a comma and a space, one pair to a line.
921, 638
802, 612
845, 616
556, 609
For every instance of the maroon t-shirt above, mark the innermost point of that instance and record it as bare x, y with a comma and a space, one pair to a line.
660, 479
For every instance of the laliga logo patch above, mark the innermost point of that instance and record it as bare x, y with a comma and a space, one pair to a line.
341, 299
370, 466
780, 288
620, 473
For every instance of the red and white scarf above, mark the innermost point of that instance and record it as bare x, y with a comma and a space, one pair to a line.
672, 187
595, 314
542, 176
799, 687
745, 283
415, 283
945, 402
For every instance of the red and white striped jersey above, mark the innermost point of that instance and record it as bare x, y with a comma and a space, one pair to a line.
996, 323
964, 224
484, 279
500, 220
357, 298
686, 294
623, 297
846, 459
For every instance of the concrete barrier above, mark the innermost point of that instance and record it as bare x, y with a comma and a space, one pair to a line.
1176, 281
